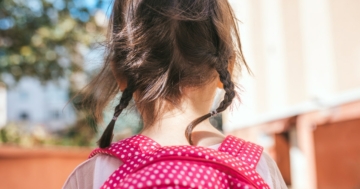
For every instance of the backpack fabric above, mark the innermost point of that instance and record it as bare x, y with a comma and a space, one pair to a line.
147, 164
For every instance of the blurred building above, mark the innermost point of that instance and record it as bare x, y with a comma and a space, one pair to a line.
33, 104
303, 101
2, 105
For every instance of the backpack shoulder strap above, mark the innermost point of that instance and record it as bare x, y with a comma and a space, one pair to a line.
247, 152
128, 148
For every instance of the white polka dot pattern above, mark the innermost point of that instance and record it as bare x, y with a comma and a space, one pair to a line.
146, 164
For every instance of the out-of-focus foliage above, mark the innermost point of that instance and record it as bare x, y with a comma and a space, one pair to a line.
18, 134
47, 39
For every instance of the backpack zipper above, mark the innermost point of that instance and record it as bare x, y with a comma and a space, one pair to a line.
198, 160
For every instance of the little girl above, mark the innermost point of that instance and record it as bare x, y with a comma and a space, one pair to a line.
170, 56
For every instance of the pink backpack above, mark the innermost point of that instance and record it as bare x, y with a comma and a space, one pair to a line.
146, 164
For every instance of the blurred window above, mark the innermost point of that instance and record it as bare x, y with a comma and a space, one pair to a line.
24, 96
24, 116
55, 114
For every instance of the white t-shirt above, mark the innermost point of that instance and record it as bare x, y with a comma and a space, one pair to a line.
92, 173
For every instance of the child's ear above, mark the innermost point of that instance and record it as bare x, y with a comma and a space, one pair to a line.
122, 83
121, 80
219, 85
230, 69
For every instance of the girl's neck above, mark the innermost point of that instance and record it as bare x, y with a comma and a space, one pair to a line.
170, 128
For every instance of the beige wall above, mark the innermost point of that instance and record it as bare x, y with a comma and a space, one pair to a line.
301, 52
346, 30
305, 56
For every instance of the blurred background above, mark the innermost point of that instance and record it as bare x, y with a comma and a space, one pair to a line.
302, 102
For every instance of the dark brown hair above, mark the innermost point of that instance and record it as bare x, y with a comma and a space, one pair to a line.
159, 47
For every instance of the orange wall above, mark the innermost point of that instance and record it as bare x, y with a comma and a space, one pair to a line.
337, 155
38, 168
282, 155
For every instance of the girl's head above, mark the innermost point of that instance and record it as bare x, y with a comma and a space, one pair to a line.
157, 48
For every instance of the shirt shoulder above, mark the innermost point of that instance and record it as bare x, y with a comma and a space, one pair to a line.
93, 172
277, 180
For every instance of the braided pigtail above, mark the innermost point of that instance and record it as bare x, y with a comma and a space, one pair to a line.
225, 78
106, 137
